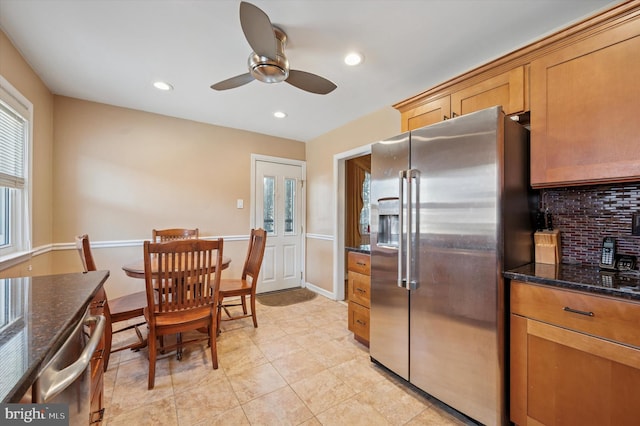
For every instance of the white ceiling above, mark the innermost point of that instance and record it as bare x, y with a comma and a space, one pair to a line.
111, 52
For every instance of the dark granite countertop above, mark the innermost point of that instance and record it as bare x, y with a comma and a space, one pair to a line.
366, 249
580, 277
40, 314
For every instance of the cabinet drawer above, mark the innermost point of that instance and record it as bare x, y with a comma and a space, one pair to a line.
359, 320
595, 315
360, 288
359, 262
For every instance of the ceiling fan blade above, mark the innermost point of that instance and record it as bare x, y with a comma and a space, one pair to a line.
258, 30
230, 83
310, 82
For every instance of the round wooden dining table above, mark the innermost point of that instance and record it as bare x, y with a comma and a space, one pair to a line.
136, 269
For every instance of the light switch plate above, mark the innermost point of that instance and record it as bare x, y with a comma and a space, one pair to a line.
240, 204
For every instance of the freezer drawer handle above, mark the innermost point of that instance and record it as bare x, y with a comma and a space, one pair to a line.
52, 381
576, 311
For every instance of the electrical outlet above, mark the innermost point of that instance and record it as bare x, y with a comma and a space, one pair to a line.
635, 224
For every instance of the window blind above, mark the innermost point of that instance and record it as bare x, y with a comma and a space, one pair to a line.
13, 128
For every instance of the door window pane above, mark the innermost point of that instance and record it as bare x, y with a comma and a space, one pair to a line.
289, 205
269, 202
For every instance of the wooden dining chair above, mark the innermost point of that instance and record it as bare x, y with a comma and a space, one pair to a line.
246, 284
118, 310
182, 294
170, 234
161, 235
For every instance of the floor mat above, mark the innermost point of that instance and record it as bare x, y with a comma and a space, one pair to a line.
286, 297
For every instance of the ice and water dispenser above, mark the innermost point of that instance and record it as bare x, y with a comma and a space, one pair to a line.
388, 222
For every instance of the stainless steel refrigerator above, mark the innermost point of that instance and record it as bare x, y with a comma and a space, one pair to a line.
449, 213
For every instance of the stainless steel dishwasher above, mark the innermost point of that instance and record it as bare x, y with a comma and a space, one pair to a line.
66, 378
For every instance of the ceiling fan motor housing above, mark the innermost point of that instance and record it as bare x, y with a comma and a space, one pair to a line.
271, 70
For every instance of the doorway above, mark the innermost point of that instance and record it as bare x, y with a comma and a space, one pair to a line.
278, 207
339, 254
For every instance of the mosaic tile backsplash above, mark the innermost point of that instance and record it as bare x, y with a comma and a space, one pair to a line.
585, 215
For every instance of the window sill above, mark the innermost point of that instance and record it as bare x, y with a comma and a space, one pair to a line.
14, 259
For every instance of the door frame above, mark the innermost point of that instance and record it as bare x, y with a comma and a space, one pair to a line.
303, 203
339, 183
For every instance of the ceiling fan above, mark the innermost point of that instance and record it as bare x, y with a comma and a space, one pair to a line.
268, 63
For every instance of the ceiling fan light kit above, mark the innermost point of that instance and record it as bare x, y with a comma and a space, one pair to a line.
268, 62
269, 70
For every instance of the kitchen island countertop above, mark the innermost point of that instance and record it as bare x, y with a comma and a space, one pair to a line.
41, 312
365, 248
579, 277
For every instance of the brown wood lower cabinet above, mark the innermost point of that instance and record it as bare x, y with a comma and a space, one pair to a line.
575, 358
359, 284
98, 307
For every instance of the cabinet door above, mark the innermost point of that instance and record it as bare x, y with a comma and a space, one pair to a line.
584, 103
571, 378
427, 113
506, 89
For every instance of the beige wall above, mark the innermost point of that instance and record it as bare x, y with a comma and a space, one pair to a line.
118, 173
321, 188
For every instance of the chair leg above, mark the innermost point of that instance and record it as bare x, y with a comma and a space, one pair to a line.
108, 336
244, 304
218, 317
253, 311
152, 358
213, 344
179, 351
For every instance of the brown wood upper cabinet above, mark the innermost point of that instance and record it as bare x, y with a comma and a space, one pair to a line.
426, 113
584, 109
508, 89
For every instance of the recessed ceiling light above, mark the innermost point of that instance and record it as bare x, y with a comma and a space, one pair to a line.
279, 114
161, 85
353, 58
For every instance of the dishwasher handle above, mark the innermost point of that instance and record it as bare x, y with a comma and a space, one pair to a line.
53, 381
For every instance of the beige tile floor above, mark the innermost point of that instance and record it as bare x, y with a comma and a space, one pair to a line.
301, 366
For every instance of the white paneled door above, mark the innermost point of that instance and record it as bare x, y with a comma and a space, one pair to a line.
278, 209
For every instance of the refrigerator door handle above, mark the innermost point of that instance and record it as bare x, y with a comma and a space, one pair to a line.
412, 177
401, 236
405, 238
